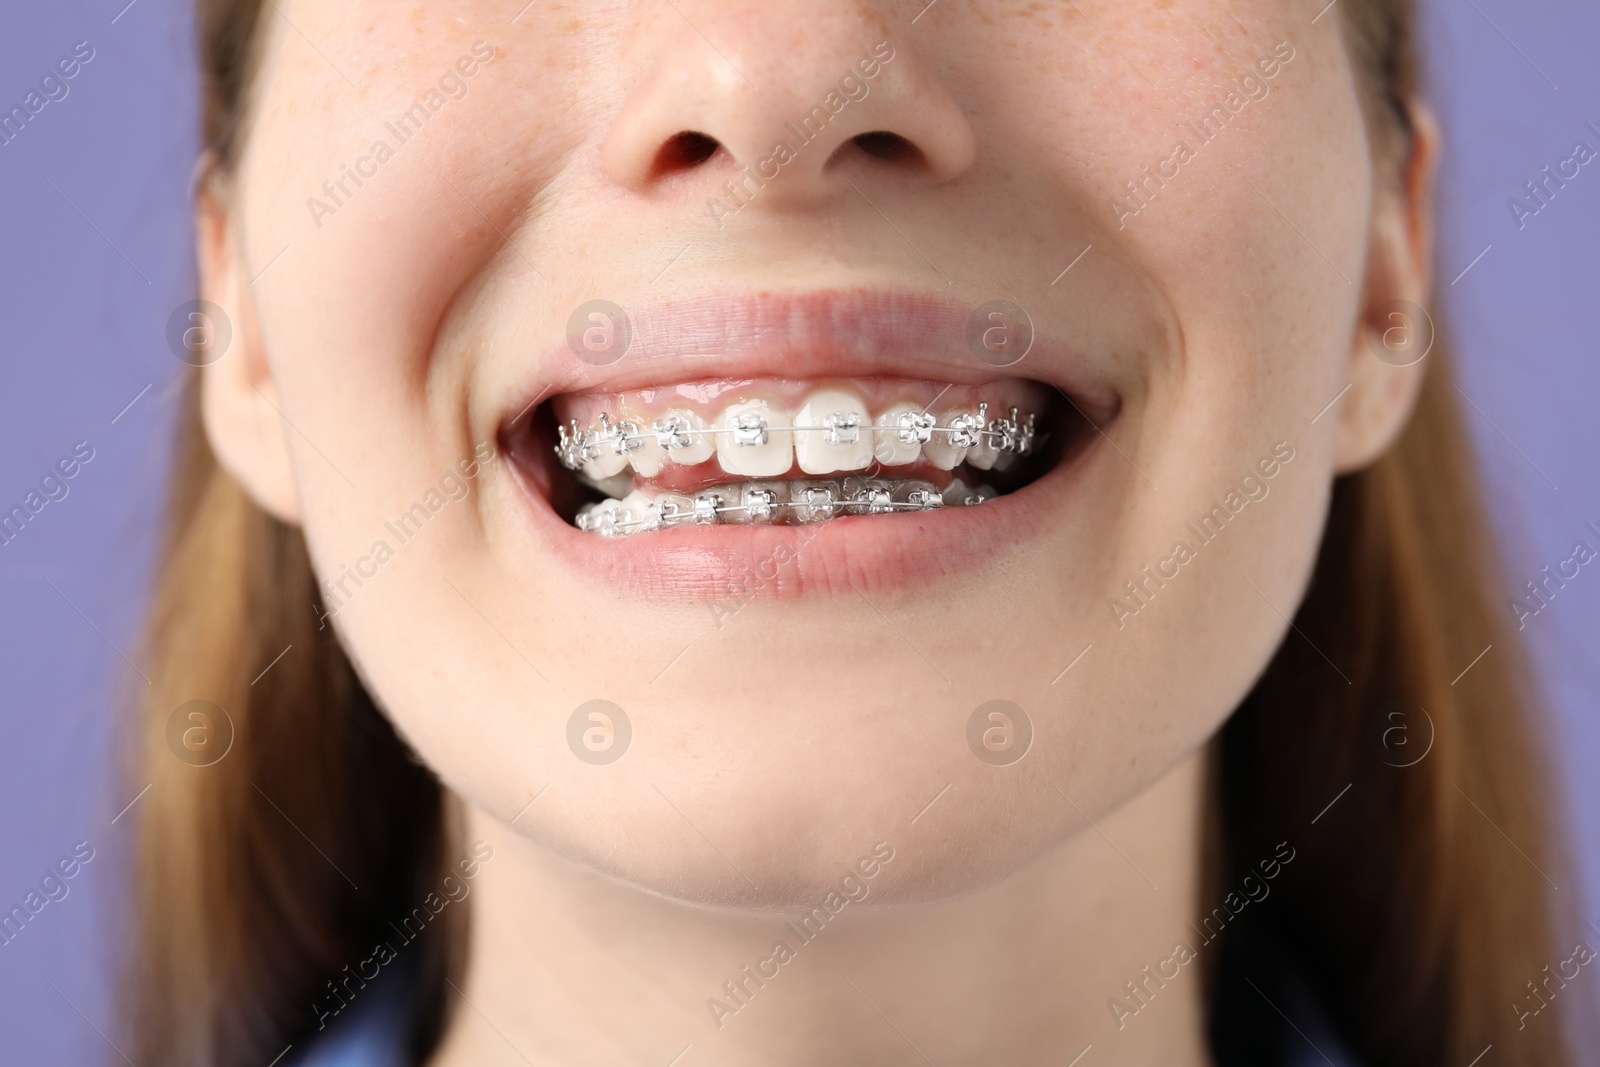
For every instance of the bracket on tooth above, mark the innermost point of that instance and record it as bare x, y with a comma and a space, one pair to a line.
575, 447
914, 428
965, 429
623, 436
673, 432
706, 507
761, 504
817, 502
749, 429
874, 498
842, 428
1010, 432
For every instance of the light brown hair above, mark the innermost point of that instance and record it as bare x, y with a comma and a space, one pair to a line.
1407, 912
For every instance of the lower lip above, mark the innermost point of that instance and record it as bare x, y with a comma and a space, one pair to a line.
867, 553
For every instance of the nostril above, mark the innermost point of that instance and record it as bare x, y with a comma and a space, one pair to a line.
684, 150
889, 147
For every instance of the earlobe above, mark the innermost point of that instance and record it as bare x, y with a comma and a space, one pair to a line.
238, 398
1389, 351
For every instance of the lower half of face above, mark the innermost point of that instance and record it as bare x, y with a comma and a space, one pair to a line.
860, 432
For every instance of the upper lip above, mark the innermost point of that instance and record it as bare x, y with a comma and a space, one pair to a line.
812, 334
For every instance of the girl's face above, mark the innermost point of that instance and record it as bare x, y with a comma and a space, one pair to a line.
1154, 228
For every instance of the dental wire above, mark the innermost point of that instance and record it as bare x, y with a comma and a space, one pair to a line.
687, 518
751, 430
830, 507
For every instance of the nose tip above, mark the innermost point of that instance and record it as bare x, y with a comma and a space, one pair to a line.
779, 94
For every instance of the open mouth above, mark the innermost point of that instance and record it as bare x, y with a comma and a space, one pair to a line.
780, 443
785, 452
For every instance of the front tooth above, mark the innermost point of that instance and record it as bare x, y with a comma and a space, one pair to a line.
814, 501
887, 447
691, 448
770, 458
760, 503
941, 449
868, 496
846, 445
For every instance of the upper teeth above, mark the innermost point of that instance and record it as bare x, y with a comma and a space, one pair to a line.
831, 432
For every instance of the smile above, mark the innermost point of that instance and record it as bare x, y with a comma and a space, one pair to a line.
911, 458
853, 433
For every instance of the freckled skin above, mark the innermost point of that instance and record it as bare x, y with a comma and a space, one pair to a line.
1225, 314
410, 297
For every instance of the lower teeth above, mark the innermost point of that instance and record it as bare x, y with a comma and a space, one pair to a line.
773, 503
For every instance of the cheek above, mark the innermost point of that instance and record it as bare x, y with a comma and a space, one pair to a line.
365, 291
386, 313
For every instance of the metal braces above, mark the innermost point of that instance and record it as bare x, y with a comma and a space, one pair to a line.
576, 447
817, 503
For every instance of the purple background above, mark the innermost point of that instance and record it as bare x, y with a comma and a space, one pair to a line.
91, 269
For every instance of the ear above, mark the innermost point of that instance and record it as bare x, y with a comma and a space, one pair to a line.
1388, 351
238, 400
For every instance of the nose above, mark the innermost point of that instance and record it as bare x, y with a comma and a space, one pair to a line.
793, 91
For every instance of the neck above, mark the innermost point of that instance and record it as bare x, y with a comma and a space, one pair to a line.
1075, 949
